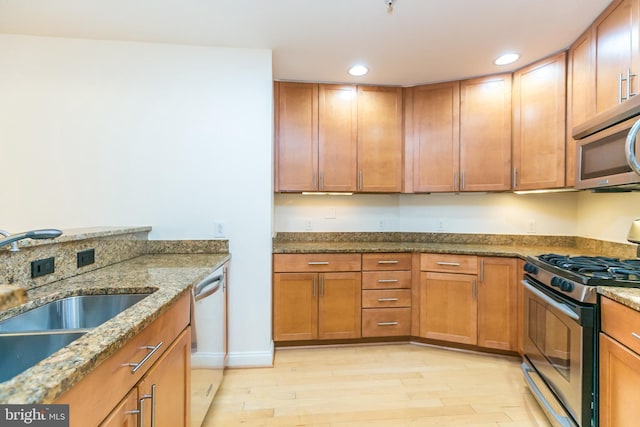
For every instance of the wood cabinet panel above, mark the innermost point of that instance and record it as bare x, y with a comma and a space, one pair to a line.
621, 322
316, 262
338, 144
386, 279
485, 133
539, 97
520, 305
436, 137
297, 137
448, 308
497, 304
386, 322
386, 261
386, 298
295, 306
380, 145
125, 414
619, 380
447, 263
339, 306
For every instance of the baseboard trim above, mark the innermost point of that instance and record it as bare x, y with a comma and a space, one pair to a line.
251, 359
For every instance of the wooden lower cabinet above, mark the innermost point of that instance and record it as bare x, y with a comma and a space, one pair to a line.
125, 414
308, 306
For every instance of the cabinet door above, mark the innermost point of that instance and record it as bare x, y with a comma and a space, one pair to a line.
616, 40
497, 303
169, 385
125, 414
338, 144
448, 308
295, 306
339, 305
581, 103
520, 305
380, 145
539, 97
485, 134
619, 384
296, 137
436, 137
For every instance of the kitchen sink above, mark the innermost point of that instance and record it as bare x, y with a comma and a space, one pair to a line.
78, 312
22, 351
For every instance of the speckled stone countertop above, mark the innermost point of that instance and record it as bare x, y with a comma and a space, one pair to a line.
165, 277
627, 296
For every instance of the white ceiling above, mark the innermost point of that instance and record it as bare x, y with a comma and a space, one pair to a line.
422, 41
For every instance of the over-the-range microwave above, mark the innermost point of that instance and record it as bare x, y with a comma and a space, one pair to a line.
607, 159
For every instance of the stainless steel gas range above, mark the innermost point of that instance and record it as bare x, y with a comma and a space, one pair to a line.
561, 319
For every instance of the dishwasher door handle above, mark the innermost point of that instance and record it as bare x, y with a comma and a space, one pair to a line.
207, 287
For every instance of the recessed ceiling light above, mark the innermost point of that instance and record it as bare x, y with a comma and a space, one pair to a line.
358, 70
507, 58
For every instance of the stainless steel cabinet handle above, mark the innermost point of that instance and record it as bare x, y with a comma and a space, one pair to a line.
321, 286
515, 177
137, 366
315, 180
462, 180
481, 270
141, 417
633, 334
387, 280
360, 180
474, 290
450, 264
620, 99
388, 262
630, 148
629, 75
387, 323
455, 181
153, 405
387, 299
314, 286
318, 263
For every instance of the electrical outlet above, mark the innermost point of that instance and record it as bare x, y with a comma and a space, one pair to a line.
531, 226
41, 267
441, 225
86, 257
308, 225
381, 225
219, 229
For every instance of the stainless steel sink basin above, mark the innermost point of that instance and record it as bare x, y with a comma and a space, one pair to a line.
22, 351
79, 312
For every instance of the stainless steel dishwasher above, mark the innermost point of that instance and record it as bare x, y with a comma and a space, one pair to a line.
208, 341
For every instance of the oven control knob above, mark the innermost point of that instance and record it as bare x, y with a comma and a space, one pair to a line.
566, 285
530, 268
555, 282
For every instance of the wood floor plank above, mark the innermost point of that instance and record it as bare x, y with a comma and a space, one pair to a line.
377, 385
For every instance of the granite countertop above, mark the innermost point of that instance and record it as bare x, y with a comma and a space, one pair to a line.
627, 296
165, 277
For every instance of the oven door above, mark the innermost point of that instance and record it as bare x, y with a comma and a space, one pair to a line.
559, 345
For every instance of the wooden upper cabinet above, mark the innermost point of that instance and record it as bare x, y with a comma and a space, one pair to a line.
485, 133
297, 136
616, 34
436, 137
338, 130
539, 130
380, 145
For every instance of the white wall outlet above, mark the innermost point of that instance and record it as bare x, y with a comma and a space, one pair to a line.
219, 229
381, 224
441, 224
330, 213
308, 224
531, 226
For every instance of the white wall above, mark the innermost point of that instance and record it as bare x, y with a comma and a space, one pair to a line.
607, 216
118, 133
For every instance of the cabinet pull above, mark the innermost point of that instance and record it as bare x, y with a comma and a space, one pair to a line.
153, 405
315, 180
474, 290
360, 180
387, 299
450, 264
321, 286
620, 99
314, 286
633, 334
141, 417
318, 263
515, 177
321, 181
390, 261
387, 280
629, 75
462, 180
138, 365
455, 181
387, 323
481, 270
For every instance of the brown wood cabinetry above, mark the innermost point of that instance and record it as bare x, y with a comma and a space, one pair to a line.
380, 144
436, 137
316, 296
539, 93
386, 294
485, 133
619, 365
119, 386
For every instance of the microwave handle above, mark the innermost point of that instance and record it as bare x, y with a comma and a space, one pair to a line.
630, 147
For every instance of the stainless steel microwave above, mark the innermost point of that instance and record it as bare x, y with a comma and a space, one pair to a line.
607, 160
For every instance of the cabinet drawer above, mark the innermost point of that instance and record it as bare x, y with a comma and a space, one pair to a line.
386, 298
388, 261
386, 279
295, 263
467, 264
621, 323
386, 322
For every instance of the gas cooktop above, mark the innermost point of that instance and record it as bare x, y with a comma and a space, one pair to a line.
597, 270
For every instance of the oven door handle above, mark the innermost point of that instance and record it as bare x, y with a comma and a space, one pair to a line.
563, 421
553, 303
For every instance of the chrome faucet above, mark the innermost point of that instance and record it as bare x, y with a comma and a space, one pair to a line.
34, 234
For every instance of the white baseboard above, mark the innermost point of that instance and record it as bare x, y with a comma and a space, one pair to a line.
251, 359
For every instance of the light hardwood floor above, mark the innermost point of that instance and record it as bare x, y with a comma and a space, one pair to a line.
381, 385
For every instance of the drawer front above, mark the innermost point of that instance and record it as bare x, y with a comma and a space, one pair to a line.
387, 261
467, 264
386, 298
386, 322
621, 323
386, 279
294, 263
